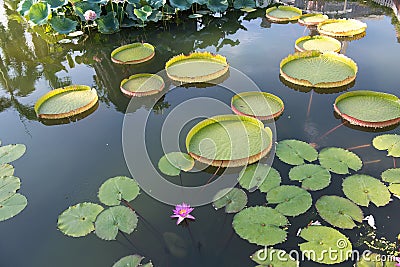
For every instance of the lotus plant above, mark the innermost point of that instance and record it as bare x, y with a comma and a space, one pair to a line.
182, 212
90, 15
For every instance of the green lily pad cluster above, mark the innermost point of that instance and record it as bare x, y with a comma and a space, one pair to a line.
83, 218
11, 202
132, 261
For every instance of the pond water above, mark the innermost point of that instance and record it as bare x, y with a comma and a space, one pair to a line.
65, 164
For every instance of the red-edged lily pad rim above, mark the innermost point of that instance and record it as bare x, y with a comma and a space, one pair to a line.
129, 46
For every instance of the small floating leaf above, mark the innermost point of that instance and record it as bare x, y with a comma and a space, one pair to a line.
391, 176
118, 188
389, 142
78, 220
395, 189
294, 152
131, 261
291, 200
6, 170
63, 25
339, 160
363, 189
10, 153
233, 199
113, 219
8, 187
12, 206
312, 177
260, 225
259, 176
271, 257
173, 163
322, 239
339, 211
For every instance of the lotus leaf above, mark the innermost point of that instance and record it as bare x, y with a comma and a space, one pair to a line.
142, 84
103, 2
156, 4
260, 105
238, 4
339, 160
389, 142
10, 153
181, 4
39, 13
12, 206
8, 187
133, 53
291, 200
368, 108
143, 13
108, 24
217, 5
173, 163
363, 189
114, 219
229, 140
312, 177
260, 225
295, 152
312, 19
271, 257
116, 189
24, 6
390, 176
341, 27
322, 239
78, 220
259, 176
339, 211
319, 43
54, 4
316, 69
248, 9
132, 261
63, 25
283, 13
233, 199
196, 67
195, 16
81, 7
6, 170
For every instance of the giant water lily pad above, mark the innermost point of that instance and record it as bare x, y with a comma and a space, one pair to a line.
6, 170
63, 25
283, 13
312, 177
319, 43
8, 187
321, 239
339, 160
341, 27
260, 105
116, 189
229, 141
312, 19
114, 219
196, 67
271, 257
295, 152
316, 69
142, 84
291, 200
12, 206
260, 225
363, 189
173, 163
368, 108
233, 199
339, 211
66, 102
259, 176
10, 153
132, 261
133, 53
391, 175
389, 142
78, 220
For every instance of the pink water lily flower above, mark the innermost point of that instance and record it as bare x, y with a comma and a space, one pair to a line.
90, 15
182, 212
398, 261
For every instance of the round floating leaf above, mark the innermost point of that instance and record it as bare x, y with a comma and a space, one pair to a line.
113, 219
8, 187
173, 163
291, 200
63, 25
316, 69
319, 43
368, 108
229, 140
322, 239
12, 206
389, 142
217, 5
395, 189
78, 220
341, 27
131, 261
6, 170
294, 152
39, 13
118, 188
108, 24
390, 176
339, 211
339, 160
271, 257
142, 84
363, 189
133, 53
259, 176
312, 19
10, 153
260, 225
233, 199
283, 13
312, 177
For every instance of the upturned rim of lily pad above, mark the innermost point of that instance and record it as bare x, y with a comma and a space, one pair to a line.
359, 28
266, 95
372, 124
149, 91
303, 22
201, 56
71, 88
133, 46
317, 37
283, 8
